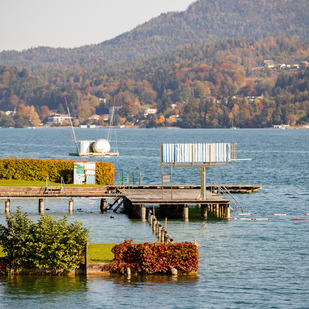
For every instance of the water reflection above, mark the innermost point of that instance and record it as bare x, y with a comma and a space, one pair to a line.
135, 280
37, 291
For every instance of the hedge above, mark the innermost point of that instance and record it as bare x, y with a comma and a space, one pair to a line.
47, 244
39, 170
155, 258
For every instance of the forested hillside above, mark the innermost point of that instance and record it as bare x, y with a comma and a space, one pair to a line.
226, 83
204, 21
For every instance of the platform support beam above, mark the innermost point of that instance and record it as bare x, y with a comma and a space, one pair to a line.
203, 182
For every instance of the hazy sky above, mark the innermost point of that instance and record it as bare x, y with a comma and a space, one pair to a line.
73, 23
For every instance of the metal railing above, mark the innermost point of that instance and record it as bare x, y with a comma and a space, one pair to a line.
222, 190
49, 188
128, 178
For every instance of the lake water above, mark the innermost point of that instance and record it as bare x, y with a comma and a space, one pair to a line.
243, 264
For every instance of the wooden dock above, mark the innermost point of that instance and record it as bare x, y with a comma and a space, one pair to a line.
177, 199
135, 199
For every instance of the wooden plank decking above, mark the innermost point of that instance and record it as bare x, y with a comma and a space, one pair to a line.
174, 196
151, 192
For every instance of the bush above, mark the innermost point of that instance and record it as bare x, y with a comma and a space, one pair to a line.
150, 258
45, 245
39, 170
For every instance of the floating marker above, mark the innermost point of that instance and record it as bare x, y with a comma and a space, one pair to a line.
298, 219
245, 214
246, 219
261, 219
280, 214
306, 214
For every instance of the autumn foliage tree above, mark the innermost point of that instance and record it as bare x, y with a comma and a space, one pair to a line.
26, 116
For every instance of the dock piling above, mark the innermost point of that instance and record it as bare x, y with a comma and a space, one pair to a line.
227, 212
143, 212
158, 229
7, 206
185, 212
71, 206
103, 205
204, 211
41, 206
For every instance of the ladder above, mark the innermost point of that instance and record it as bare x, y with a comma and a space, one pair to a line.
222, 190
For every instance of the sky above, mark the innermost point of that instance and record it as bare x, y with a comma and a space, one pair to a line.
26, 24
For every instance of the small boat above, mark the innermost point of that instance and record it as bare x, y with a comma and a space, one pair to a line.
98, 148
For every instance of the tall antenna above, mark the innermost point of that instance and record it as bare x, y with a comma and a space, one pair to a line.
73, 132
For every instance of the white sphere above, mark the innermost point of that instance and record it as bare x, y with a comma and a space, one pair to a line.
101, 146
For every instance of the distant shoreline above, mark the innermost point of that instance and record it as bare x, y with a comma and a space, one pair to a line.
300, 127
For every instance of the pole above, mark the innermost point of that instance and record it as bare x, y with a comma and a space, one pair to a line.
86, 258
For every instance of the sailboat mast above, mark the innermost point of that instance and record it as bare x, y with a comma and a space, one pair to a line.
111, 121
73, 132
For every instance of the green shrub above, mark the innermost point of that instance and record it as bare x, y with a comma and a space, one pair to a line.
47, 244
39, 170
150, 258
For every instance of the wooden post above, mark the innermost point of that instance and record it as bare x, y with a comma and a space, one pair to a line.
103, 205
41, 206
185, 212
7, 206
204, 211
162, 239
154, 224
150, 217
71, 206
159, 231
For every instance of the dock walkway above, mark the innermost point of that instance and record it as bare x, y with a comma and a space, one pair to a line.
134, 198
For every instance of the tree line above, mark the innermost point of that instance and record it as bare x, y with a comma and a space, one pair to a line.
218, 84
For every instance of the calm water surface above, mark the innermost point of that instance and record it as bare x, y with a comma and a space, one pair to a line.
243, 264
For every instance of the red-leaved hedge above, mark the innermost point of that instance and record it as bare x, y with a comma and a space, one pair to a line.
151, 258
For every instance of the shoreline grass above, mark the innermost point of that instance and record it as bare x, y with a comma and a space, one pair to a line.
97, 253
30, 183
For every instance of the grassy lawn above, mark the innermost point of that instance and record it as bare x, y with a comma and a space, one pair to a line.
100, 253
24, 183
96, 253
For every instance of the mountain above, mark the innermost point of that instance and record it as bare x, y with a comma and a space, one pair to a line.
203, 21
